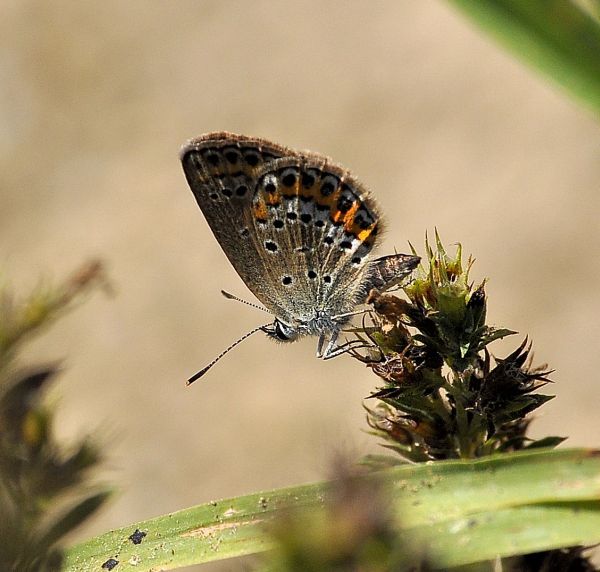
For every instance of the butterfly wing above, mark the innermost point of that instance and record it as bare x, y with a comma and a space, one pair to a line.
388, 271
297, 228
316, 226
221, 169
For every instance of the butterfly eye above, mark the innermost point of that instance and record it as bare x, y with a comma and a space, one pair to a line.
284, 332
279, 332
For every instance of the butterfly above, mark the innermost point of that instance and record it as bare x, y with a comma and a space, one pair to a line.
298, 229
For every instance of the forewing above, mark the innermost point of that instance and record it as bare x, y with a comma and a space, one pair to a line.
222, 171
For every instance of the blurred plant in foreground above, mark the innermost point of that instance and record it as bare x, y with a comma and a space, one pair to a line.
357, 530
43, 489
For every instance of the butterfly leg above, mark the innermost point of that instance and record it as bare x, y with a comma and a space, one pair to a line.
333, 349
321, 342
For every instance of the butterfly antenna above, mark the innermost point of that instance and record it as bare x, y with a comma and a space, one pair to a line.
213, 362
232, 297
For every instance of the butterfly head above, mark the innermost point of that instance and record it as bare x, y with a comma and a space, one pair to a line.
282, 332
320, 324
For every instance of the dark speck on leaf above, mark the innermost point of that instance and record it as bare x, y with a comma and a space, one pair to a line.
110, 564
137, 536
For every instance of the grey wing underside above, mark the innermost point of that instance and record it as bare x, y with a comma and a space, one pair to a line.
388, 271
221, 169
283, 239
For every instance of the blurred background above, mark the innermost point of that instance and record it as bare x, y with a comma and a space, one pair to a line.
448, 130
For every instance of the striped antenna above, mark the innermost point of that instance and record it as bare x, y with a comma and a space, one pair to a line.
232, 297
213, 362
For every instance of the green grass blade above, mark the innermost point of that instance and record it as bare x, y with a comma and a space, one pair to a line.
452, 489
509, 532
213, 531
465, 511
556, 37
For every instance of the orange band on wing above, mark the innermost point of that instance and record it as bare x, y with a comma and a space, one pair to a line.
291, 192
260, 210
349, 216
328, 201
273, 199
364, 234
